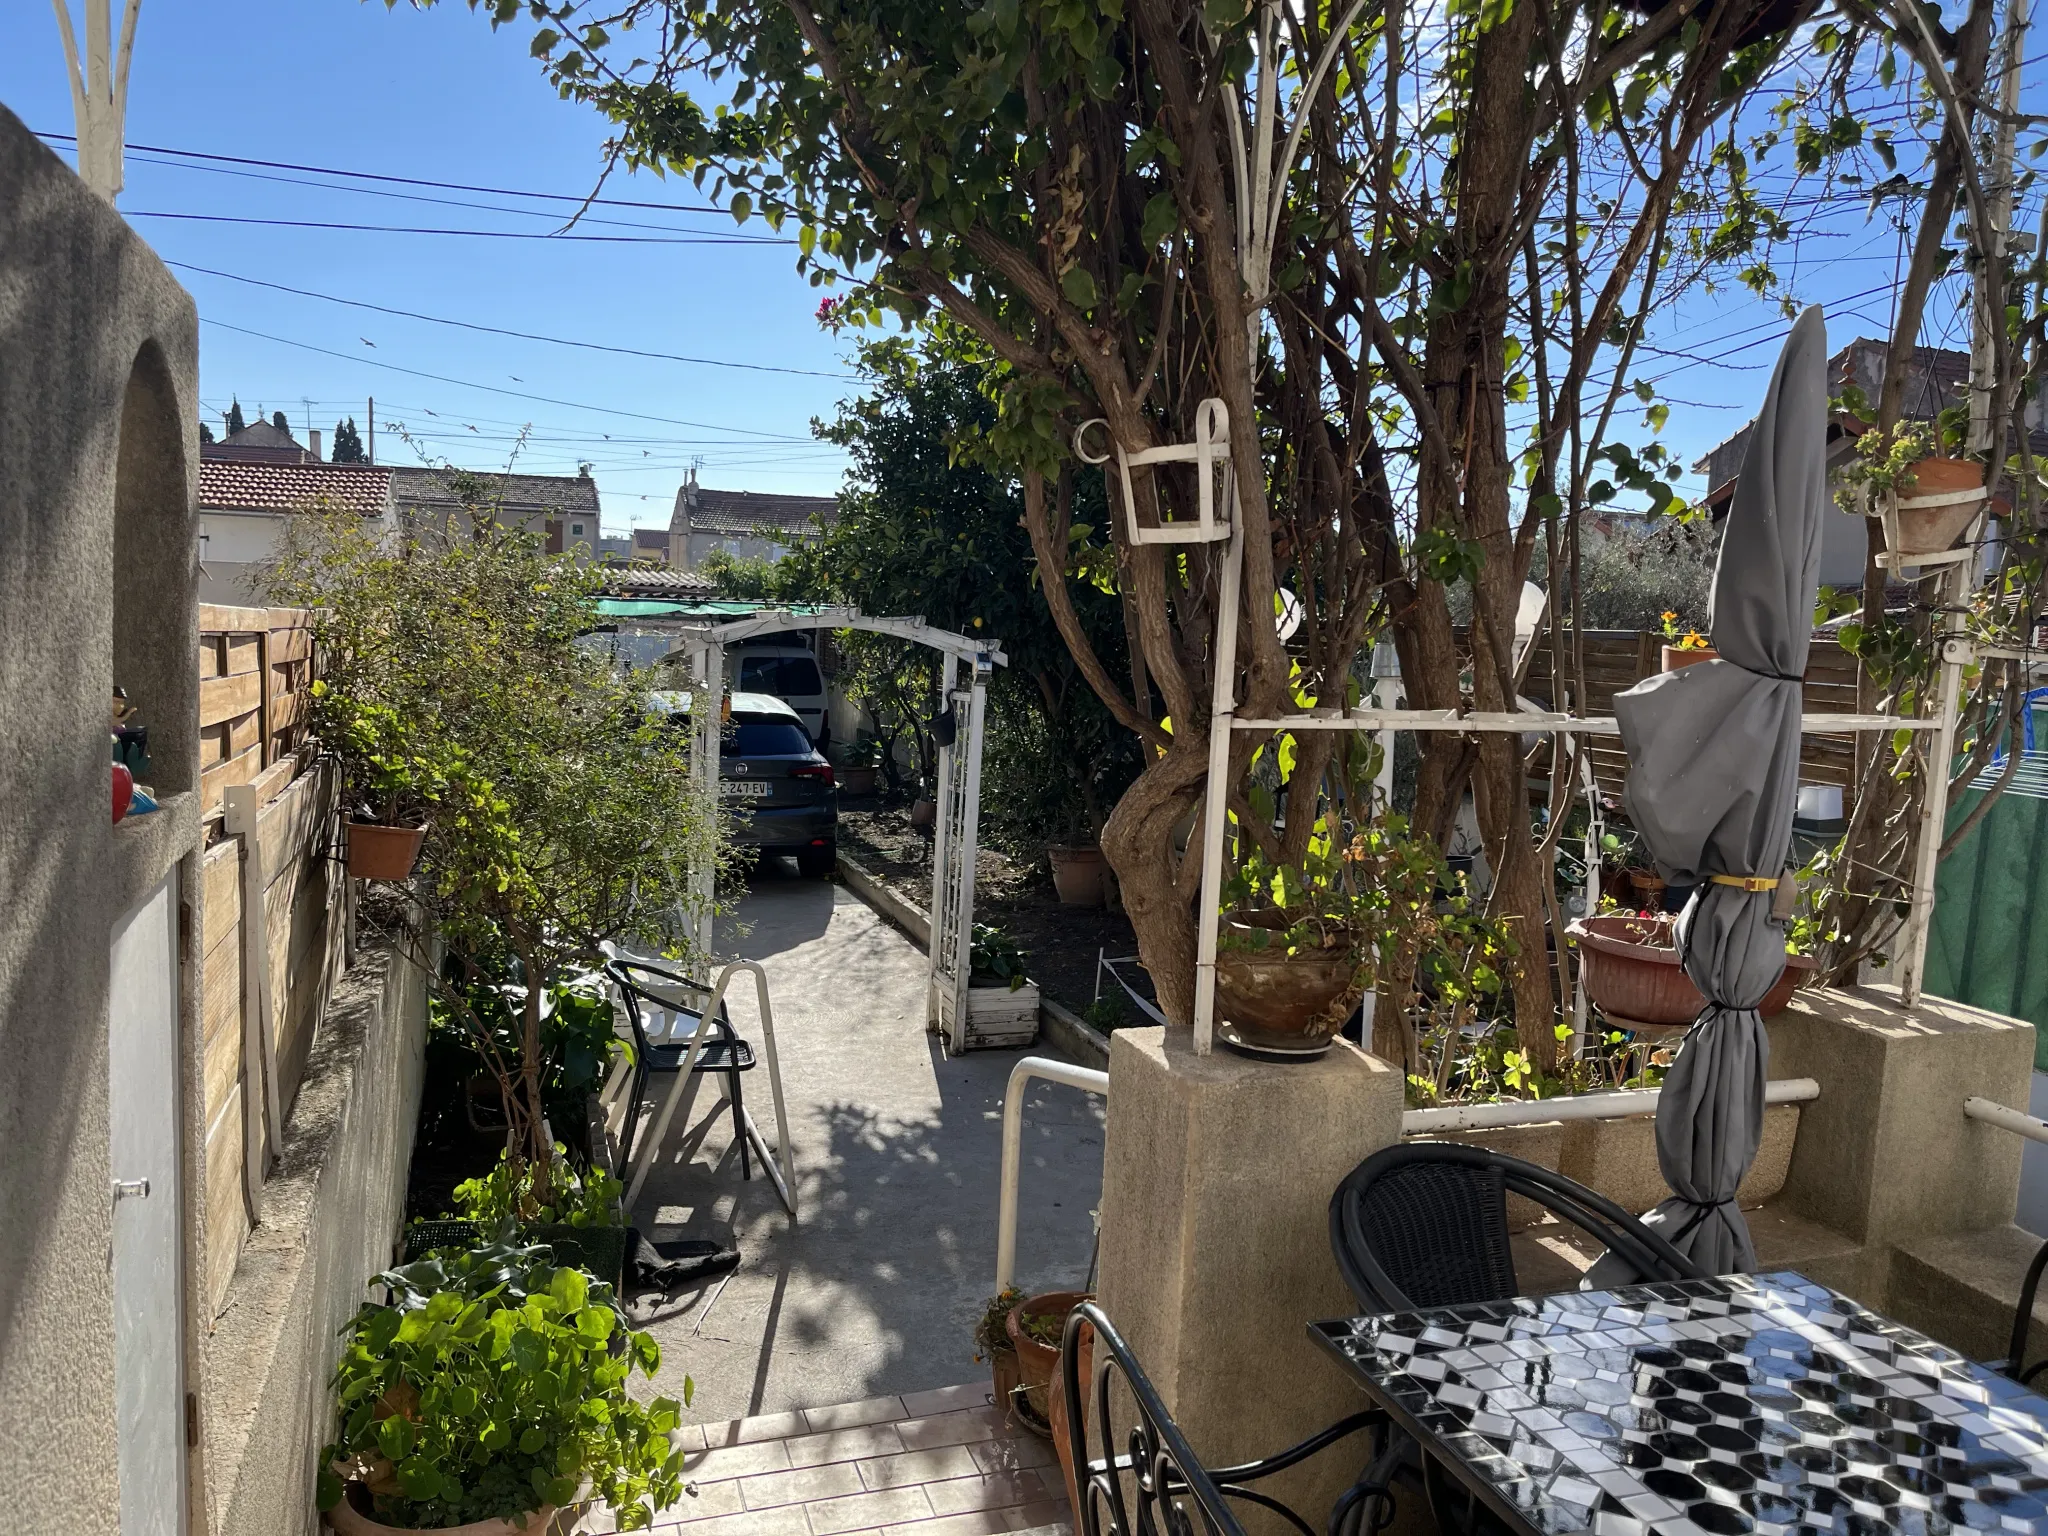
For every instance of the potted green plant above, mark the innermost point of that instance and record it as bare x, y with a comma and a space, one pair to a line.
1925, 500
488, 1394
1683, 646
579, 1218
860, 767
993, 1344
1036, 1326
1293, 953
388, 774
1002, 999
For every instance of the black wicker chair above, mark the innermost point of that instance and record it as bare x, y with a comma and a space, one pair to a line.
642, 985
1425, 1224
1169, 1490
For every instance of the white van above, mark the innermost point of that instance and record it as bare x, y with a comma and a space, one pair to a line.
785, 668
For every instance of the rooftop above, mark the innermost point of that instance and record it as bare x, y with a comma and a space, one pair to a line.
261, 442
657, 581
425, 486
256, 485
700, 510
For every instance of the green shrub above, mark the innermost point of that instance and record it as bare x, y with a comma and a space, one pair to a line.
495, 1383
504, 1198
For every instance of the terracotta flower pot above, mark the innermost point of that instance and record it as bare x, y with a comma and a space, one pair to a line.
1003, 1375
923, 813
1633, 975
347, 1520
1649, 887
377, 852
1275, 998
1678, 656
1078, 875
1929, 530
858, 781
1037, 1362
1056, 1416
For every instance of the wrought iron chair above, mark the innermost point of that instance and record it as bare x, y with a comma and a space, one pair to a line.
2015, 1362
1170, 1491
1425, 1224
666, 997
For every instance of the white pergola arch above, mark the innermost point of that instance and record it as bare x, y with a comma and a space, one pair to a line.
966, 665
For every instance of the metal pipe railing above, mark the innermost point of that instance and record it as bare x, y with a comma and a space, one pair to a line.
1046, 1069
1991, 1112
1583, 1106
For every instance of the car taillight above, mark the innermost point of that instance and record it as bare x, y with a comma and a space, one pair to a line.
819, 771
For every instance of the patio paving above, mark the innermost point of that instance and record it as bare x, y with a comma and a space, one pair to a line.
872, 1294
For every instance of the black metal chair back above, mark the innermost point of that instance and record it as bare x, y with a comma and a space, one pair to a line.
723, 1052
1425, 1224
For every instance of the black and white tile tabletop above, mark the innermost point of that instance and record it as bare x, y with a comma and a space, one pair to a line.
1750, 1403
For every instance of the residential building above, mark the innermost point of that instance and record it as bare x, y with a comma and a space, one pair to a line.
652, 544
1935, 379
263, 442
563, 508
743, 523
245, 503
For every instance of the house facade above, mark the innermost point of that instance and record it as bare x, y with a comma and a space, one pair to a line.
744, 524
245, 503
561, 508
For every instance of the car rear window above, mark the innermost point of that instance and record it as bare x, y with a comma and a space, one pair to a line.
767, 738
784, 676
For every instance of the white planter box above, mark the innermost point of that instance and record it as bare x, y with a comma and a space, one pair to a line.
997, 1018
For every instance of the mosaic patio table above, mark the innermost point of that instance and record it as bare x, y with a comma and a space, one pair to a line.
1750, 1403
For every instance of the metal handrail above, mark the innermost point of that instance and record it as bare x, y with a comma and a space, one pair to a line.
1046, 1069
1581, 1106
1991, 1112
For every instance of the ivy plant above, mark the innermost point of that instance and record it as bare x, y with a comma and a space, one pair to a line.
492, 1384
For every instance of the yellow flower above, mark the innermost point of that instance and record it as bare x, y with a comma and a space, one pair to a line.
1668, 614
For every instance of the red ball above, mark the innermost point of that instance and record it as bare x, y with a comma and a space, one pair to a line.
124, 789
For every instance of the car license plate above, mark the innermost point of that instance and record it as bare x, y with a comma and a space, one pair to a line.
744, 789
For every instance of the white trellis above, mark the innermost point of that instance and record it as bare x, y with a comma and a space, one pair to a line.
1222, 523
965, 665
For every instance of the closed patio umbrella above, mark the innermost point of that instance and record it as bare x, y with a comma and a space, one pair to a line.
1713, 776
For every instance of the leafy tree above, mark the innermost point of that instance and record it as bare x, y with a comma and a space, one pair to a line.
233, 420
1411, 249
205, 433
279, 420
561, 817
348, 444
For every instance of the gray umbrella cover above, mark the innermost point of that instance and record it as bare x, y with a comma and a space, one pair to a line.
1713, 778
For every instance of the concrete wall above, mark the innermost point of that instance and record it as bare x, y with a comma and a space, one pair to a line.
331, 1218
99, 457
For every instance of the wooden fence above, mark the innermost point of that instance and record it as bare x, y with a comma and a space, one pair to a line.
273, 906
1617, 659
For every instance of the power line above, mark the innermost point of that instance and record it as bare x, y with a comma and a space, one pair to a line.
405, 181
442, 378
480, 234
494, 330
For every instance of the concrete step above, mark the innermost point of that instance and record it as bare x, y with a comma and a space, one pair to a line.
1964, 1288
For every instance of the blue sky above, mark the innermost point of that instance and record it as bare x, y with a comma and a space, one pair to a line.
437, 95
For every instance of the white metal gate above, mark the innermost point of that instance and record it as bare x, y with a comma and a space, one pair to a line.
142, 1160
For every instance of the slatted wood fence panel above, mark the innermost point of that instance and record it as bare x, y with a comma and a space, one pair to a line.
256, 670
1618, 659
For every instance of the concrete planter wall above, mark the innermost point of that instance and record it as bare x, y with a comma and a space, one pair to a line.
1618, 1158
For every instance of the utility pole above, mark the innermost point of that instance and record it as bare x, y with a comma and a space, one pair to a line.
373, 429
1986, 440
99, 89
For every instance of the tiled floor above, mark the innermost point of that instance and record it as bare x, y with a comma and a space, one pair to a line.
940, 1463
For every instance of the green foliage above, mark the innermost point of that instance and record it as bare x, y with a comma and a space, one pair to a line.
994, 956
1884, 465
564, 817
233, 421
577, 1039
348, 444
991, 1331
1632, 576
507, 1197
279, 420
1108, 1012
494, 1383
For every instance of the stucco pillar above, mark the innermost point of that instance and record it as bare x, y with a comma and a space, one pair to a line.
1217, 1175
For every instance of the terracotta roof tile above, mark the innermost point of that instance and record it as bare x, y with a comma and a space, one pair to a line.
741, 512
249, 486
439, 487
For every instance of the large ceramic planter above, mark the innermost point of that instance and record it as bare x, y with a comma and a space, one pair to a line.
1003, 1377
377, 852
924, 813
1056, 1416
346, 1520
1633, 975
1288, 1002
1078, 874
1037, 1362
1677, 657
1928, 518
856, 782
